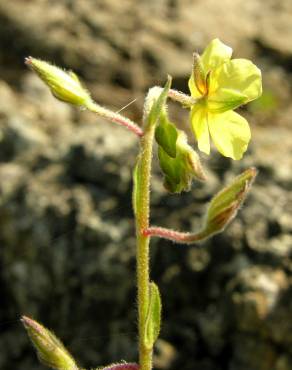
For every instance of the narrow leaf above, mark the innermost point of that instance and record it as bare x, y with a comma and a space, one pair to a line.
136, 186
159, 103
152, 324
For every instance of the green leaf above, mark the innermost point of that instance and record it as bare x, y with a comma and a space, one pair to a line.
166, 135
159, 103
153, 319
136, 186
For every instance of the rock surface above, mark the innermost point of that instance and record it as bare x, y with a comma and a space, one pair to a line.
67, 253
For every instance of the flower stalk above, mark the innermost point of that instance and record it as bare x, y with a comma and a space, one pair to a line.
183, 99
114, 117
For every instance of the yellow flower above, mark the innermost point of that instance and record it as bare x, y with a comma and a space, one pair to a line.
221, 84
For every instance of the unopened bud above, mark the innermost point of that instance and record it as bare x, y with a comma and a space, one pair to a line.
50, 350
224, 206
65, 86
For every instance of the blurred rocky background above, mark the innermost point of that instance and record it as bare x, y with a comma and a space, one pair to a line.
67, 247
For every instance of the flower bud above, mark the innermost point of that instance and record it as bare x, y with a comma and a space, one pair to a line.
65, 86
51, 351
224, 206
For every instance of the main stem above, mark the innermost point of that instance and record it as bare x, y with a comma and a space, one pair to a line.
142, 222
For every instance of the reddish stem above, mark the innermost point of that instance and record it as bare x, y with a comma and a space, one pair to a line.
115, 117
175, 236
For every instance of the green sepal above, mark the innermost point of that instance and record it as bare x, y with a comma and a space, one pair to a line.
166, 135
173, 172
153, 318
190, 156
159, 103
179, 171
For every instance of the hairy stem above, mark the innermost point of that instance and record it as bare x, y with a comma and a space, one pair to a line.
115, 117
182, 98
142, 222
175, 236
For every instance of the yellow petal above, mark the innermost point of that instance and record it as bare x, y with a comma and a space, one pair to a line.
234, 83
215, 54
200, 127
230, 133
225, 99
